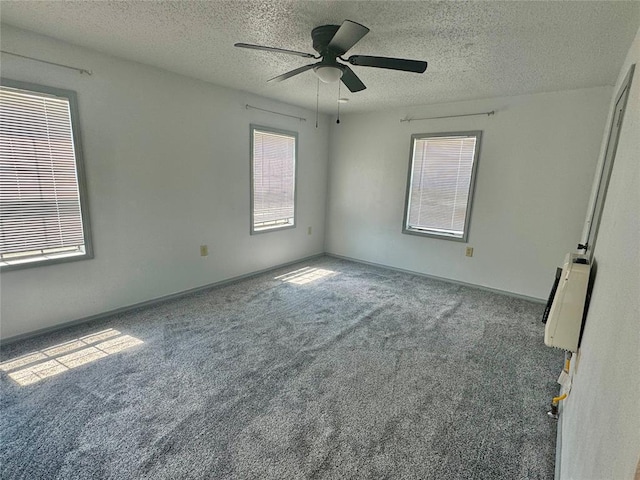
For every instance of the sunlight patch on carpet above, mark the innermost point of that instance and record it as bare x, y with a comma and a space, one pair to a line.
35, 366
305, 275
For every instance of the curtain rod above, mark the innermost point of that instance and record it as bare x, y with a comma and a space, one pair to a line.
81, 70
247, 106
488, 114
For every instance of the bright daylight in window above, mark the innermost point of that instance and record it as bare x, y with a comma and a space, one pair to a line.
273, 179
41, 205
440, 184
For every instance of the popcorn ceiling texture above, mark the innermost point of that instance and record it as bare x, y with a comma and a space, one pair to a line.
474, 49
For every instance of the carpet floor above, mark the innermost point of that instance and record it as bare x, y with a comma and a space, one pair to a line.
325, 369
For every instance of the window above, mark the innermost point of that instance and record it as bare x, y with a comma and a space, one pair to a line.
440, 185
273, 179
43, 210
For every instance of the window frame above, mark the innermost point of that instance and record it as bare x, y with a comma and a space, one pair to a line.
467, 221
261, 128
71, 96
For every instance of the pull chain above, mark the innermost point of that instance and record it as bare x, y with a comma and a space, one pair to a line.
338, 120
317, 99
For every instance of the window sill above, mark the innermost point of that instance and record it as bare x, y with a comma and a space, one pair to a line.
256, 231
435, 234
43, 260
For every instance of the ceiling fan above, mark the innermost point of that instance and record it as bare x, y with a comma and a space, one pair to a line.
333, 41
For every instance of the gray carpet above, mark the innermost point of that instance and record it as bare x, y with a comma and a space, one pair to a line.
358, 373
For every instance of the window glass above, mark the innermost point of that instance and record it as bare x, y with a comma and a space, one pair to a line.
273, 179
440, 185
43, 216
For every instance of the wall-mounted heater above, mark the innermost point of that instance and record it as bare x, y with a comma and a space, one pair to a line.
565, 308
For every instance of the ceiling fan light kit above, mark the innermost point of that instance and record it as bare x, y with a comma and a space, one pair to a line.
328, 73
333, 41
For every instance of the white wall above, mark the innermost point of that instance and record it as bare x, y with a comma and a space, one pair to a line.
167, 161
601, 417
534, 175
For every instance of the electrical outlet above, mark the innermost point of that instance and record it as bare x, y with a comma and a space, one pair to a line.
204, 250
308, 230
469, 252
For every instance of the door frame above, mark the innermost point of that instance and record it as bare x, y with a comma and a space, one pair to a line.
596, 205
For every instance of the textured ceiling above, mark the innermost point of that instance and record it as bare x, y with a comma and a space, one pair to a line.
474, 49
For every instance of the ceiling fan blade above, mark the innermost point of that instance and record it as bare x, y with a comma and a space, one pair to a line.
347, 36
351, 80
273, 49
416, 66
292, 73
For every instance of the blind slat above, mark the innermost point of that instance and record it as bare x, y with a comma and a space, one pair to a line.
273, 178
441, 178
40, 209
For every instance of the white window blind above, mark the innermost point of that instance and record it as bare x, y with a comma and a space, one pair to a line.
440, 187
274, 167
40, 210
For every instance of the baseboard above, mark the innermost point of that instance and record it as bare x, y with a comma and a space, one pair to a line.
558, 461
152, 302
173, 296
442, 279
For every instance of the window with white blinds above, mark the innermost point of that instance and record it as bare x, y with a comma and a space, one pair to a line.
440, 185
273, 179
41, 195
